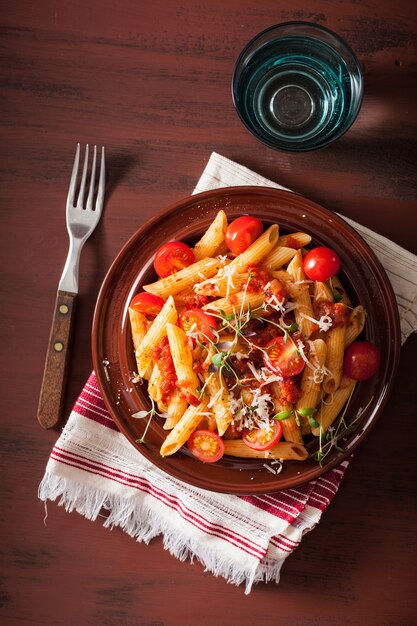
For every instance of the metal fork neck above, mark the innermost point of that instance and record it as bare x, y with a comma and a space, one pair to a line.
69, 278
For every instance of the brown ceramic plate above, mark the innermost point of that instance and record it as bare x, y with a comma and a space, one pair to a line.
186, 220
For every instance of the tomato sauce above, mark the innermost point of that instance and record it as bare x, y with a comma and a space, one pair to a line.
195, 300
291, 242
337, 311
290, 392
163, 359
258, 279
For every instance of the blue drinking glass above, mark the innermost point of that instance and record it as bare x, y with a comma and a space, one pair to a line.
297, 86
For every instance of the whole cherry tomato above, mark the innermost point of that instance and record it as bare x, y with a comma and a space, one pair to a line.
242, 232
321, 264
362, 360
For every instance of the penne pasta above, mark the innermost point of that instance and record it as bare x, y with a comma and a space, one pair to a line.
212, 238
328, 411
157, 331
335, 342
304, 310
322, 292
295, 239
238, 302
335, 284
155, 384
278, 257
219, 401
286, 279
176, 408
284, 450
185, 278
355, 325
221, 286
311, 380
139, 328
290, 429
187, 380
188, 423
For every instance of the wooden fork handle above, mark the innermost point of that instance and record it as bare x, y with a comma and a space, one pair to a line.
52, 394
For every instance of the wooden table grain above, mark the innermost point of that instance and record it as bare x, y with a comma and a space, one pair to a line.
151, 81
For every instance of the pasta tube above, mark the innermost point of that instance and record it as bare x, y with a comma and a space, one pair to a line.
278, 257
182, 358
155, 384
284, 450
322, 292
139, 327
304, 309
237, 302
355, 325
176, 408
185, 278
311, 380
183, 429
335, 342
290, 428
219, 401
328, 412
302, 239
212, 238
168, 314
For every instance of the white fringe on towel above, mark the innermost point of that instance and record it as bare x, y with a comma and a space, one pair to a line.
144, 523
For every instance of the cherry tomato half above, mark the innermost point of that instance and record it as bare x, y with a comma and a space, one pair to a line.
206, 446
262, 439
283, 358
362, 360
147, 303
321, 264
242, 232
172, 257
198, 321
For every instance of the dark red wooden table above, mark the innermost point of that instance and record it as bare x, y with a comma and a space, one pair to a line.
151, 81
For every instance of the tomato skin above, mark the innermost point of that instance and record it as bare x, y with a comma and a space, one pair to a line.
172, 257
321, 263
204, 323
206, 445
147, 303
242, 232
260, 439
362, 360
281, 357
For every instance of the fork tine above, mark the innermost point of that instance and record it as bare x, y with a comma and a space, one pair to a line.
83, 179
73, 183
101, 183
92, 181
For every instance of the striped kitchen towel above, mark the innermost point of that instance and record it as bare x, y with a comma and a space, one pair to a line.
94, 469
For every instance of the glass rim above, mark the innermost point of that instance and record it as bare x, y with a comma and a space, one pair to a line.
338, 39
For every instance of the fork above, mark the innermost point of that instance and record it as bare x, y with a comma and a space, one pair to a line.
81, 221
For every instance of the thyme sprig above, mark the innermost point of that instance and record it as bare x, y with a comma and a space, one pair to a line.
151, 413
331, 439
